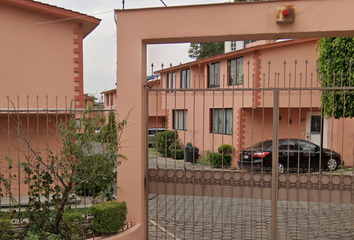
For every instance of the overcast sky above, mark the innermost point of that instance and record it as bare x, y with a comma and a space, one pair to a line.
100, 45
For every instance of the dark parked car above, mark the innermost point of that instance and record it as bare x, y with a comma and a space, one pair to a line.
293, 154
152, 133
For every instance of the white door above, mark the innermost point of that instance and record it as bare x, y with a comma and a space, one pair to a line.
313, 128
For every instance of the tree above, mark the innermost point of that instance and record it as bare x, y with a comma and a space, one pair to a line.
83, 156
205, 49
335, 70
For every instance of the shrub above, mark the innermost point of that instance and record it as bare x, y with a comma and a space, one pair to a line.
227, 149
108, 217
94, 186
72, 222
5, 228
166, 139
175, 151
218, 160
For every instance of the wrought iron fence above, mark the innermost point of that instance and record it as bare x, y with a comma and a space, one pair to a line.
35, 136
231, 182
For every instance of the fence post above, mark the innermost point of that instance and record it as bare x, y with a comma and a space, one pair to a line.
275, 144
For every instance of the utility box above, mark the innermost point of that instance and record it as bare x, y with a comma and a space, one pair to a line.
286, 14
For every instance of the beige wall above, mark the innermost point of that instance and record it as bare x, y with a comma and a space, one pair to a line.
38, 59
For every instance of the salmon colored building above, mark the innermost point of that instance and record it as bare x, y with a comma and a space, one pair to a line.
42, 75
244, 118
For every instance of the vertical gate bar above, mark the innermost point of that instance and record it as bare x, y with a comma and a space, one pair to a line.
147, 167
222, 159
332, 136
341, 176
252, 142
19, 136
28, 137
262, 163
309, 166
232, 171
9, 142
203, 133
321, 155
212, 163
185, 168
274, 218
288, 164
194, 160
298, 158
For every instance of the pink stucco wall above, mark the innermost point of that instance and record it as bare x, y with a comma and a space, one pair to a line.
40, 59
42, 134
137, 28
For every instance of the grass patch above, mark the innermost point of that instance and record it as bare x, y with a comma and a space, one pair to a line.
15, 214
152, 151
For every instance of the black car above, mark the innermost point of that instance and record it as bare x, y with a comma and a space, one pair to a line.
294, 154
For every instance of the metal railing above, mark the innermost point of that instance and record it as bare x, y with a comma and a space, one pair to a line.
301, 189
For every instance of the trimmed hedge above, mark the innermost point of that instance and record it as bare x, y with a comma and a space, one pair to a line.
227, 149
217, 160
72, 223
108, 217
168, 141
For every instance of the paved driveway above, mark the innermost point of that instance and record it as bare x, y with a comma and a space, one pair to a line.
188, 217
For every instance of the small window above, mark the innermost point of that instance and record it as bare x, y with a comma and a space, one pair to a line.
180, 119
315, 124
236, 71
78, 123
107, 100
233, 46
171, 80
214, 75
221, 121
185, 78
112, 99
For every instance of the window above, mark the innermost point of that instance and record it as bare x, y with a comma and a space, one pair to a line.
249, 41
233, 46
185, 78
112, 99
214, 75
171, 80
180, 119
107, 102
78, 123
221, 121
236, 71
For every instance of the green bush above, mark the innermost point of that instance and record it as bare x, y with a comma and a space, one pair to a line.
166, 141
72, 223
5, 228
108, 217
227, 149
175, 151
95, 186
218, 160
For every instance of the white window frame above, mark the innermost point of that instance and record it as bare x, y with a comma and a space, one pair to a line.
236, 71
171, 80
180, 119
185, 79
221, 120
214, 75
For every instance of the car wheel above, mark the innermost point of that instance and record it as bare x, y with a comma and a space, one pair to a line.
332, 164
281, 168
